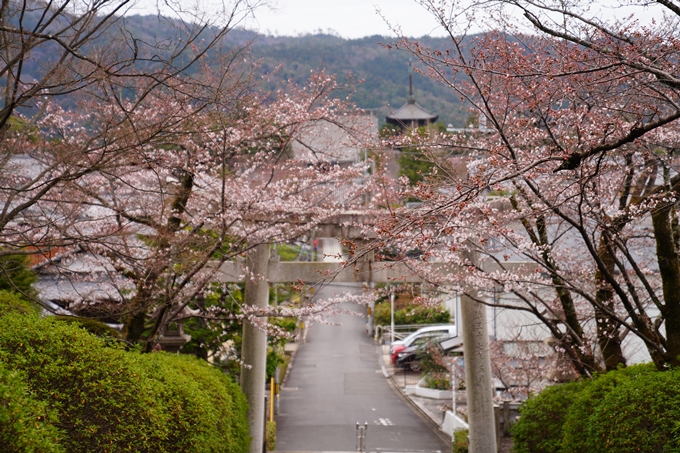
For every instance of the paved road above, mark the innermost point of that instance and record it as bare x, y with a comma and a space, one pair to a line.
336, 381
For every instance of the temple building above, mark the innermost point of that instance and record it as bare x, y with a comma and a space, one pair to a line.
411, 115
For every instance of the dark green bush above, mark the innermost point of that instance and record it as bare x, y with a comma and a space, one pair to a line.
460, 441
206, 408
438, 381
412, 314
93, 326
539, 429
641, 414
270, 437
25, 423
16, 274
109, 400
13, 303
634, 409
577, 432
103, 401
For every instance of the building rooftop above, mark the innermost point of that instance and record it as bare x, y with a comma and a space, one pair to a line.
411, 111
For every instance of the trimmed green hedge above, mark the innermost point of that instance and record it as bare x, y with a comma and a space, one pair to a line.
206, 408
25, 423
105, 399
577, 432
13, 303
641, 414
635, 409
542, 419
413, 314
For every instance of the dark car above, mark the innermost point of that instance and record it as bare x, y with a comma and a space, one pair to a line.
410, 357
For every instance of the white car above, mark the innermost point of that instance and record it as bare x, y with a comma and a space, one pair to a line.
423, 333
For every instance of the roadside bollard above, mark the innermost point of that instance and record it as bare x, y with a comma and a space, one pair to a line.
361, 437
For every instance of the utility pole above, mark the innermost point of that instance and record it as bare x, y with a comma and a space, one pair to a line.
482, 433
254, 348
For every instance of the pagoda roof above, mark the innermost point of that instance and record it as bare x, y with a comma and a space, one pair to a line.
411, 111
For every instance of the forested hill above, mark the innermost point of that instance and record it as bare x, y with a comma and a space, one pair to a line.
384, 72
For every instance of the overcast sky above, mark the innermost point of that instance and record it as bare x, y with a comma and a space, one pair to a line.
358, 18
348, 18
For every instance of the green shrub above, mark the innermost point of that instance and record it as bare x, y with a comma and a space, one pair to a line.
103, 401
539, 429
412, 314
577, 432
274, 360
438, 381
93, 326
460, 441
641, 414
288, 252
270, 436
633, 409
109, 400
25, 423
13, 303
207, 409
16, 274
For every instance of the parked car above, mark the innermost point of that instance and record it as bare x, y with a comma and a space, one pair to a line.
411, 356
425, 332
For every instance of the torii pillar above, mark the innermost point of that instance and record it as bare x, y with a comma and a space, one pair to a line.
254, 346
478, 378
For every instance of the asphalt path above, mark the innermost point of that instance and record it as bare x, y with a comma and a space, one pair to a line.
335, 380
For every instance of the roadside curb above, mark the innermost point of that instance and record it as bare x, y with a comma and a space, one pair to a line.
422, 413
292, 351
417, 408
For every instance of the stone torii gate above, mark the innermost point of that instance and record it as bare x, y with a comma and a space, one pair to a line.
254, 350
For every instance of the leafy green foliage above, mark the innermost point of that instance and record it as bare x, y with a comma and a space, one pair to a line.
99, 396
578, 427
16, 275
411, 314
414, 165
633, 409
274, 360
288, 252
539, 429
270, 436
25, 423
460, 441
206, 410
210, 334
438, 381
641, 414
13, 303
275, 350
109, 400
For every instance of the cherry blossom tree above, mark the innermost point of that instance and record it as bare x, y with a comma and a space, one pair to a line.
161, 163
71, 54
569, 199
163, 216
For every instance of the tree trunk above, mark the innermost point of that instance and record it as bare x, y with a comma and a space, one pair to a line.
608, 337
669, 269
134, 327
